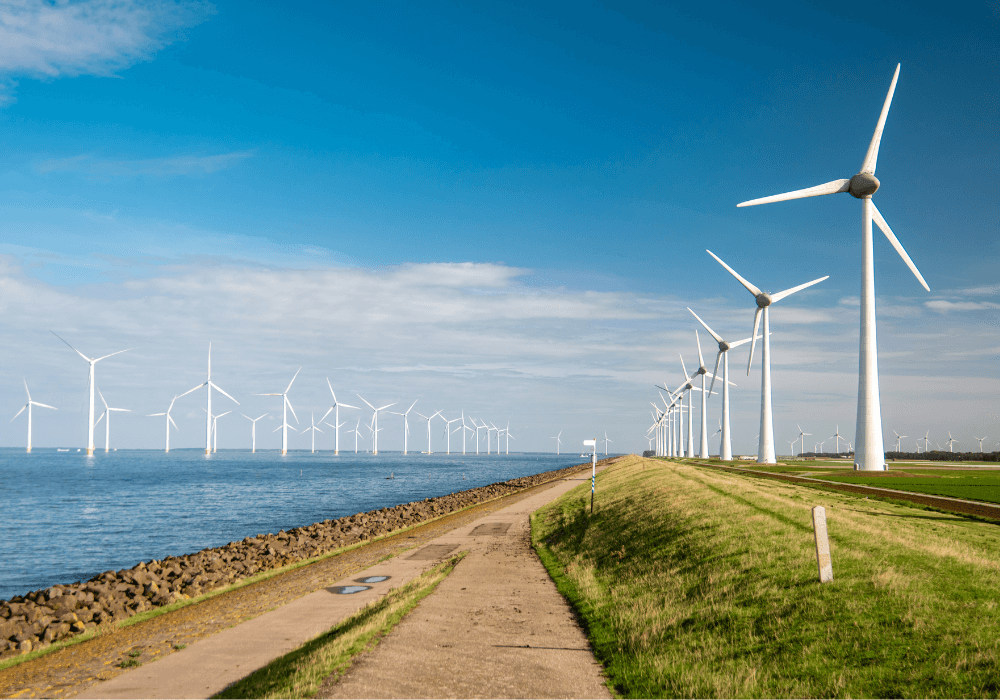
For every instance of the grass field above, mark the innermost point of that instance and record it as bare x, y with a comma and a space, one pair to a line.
698, 583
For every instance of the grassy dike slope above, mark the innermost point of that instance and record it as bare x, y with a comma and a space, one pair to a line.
697, 583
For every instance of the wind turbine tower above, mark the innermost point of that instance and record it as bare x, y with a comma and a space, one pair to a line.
869, 454
209, 427
253, 430
285, 405
558, 439
28, 407
336, 419
107, 415
169, 421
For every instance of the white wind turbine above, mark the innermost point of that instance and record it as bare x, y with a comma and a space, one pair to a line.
449, 431
836, 436
792, 445
357, 434
726, 446
466, 429
606, 440
506, 442
951, 442
870, 453
406, 424
428, 427
215, 430
765, 451
313, 429
253, 430
90, 417
285, 405
28, 407
802, 437
703, 371
208, 407
558, 440
687, 386
488, 431
927, 439
898, 439
169, 420
374, 427
478, 428
107, 416
336, 419
980, 441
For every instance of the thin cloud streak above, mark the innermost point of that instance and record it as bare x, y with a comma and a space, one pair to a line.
156, 167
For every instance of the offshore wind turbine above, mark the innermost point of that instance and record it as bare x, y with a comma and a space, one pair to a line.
253, 430
168, 421
726, 446
285, 405
90, 418
448, 429
28, 407
336, 419
558, 440
215, 430
466, 428
870, 452
506, 442
313, 429
374, 427
107, 415
406, 424
208, 408
428, 427
357, 433
765, 451
478, 428
488, 431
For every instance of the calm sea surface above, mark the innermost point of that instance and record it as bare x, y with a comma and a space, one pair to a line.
67, 517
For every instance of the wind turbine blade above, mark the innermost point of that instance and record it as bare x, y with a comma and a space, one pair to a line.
718, 359
710, 331
171, 419
388, 405
99, 393
749, 287
195, 389
753, 344
880, 222
70, 346
788, 292
45, 405
411, 406
872, 156
326, 414
150, 415
291, 409
96, 422
701, 359
344, 405
19, 412
289, 383
684, 369
832, 187
260, 417
113, 354
331, 390
740, 342
214, 386
363, 399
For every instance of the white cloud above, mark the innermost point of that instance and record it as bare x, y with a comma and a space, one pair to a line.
157, 167
944, 306
39, 38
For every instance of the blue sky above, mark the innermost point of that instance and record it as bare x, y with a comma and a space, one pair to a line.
502, 209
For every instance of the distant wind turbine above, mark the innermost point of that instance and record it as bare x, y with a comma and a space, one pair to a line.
90, 417
253, 430
313, 429
870, 455
28, 407
168, 421
406, 424
449, 431
374, 426
899, 438
215, 430
428, 427
837, 436
336, 418
980, 441
802, 437
606, 440
951, 442
208, 407
357, 434
765, 452
107, 423
285, 405
558, 439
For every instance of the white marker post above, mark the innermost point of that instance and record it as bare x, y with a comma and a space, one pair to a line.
593, 476
823, 560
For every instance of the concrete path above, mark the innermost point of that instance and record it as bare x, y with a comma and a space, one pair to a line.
495, 628
211, 664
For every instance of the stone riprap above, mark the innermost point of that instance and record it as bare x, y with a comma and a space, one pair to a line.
39, 618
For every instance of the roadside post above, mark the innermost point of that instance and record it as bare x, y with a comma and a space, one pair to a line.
593, 473
823, 560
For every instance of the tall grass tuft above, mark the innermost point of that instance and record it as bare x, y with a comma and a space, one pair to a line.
696, 583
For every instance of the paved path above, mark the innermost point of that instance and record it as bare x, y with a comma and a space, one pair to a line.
209, 665
495, 628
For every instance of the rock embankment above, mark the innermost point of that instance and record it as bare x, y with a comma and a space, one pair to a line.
39, 618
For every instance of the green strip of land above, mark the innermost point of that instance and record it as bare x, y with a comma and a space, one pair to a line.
697, 583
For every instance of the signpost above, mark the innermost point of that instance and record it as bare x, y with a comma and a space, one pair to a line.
593, 474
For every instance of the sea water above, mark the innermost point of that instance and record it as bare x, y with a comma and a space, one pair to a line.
68, 516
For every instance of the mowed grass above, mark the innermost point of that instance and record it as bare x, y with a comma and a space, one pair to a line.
300, 673
975, 485
697, 583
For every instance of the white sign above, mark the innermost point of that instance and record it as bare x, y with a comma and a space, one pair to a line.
590, 443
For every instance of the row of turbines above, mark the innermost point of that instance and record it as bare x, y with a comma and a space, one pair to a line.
667, 428
818, 446
212, 419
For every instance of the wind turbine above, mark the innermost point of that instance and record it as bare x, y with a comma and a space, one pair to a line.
792, 445
28, 406
406, 423
980, 441
168, 421
765, 451
926, 440
951, 442
336, 419
374, 428
253, 430
836, 436
606, 440
313, 429
870, 454
215, 430
726, 445
357, 434
558, 440
208, 408
687, 386
898, 439
478, 428
428, 427
509, 437
449, 430
488, 431
106, 414
467, 428
285, 405
802, 436
90, 418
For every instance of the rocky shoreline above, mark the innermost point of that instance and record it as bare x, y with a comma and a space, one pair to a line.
40, 618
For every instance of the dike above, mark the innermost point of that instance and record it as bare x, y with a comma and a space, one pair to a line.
40, 618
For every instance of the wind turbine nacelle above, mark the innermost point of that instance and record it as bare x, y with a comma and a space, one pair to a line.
763, 300
863, 185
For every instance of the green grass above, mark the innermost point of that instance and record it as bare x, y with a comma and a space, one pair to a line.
301, 672
697, 583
